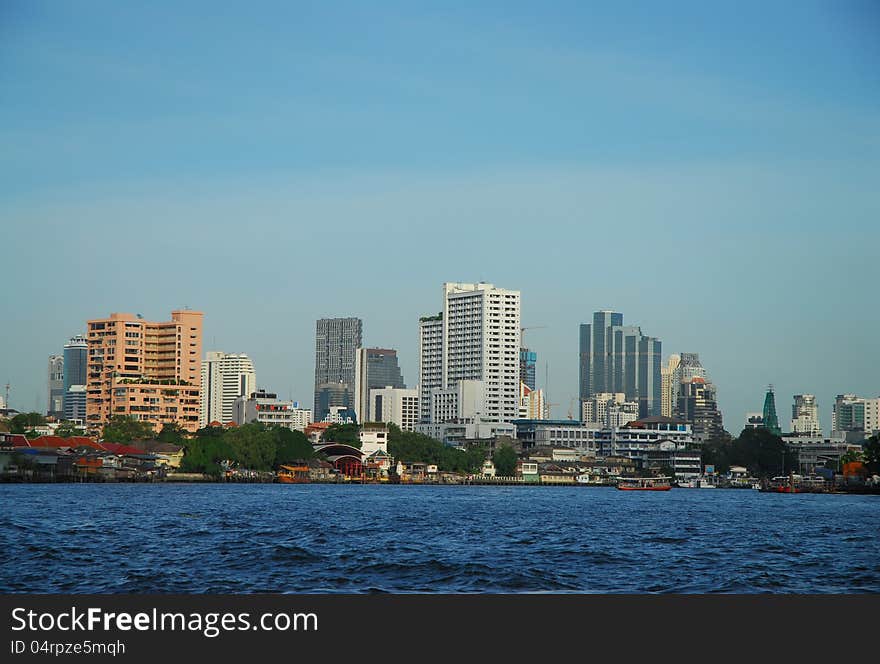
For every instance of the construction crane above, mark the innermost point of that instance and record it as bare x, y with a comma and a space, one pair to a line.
522, 330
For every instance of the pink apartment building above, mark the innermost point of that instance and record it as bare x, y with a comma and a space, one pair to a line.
145, 370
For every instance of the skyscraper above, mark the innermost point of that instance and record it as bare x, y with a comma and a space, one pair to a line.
145, 370
336, 340
374, 368
618, 358
55, 385
856, 415
698, 404
771, 421
805, 416
475, 338
528, 359
76, 361
225, 378
668, 386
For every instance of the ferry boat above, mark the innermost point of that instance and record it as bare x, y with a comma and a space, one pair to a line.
643, 484
293, 474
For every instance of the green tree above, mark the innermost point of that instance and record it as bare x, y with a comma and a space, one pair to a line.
25, 422
252, 445
412, 446
505, 461
872, 454
124, 429
290, 445
762, 452
172, 433
203, 455
342, 433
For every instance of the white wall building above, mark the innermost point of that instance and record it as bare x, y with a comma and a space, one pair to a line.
225, 378
855, 414
531, 403
805, 416
266, 408
479, 341
668, 385
391, 404
609, 409
373, 439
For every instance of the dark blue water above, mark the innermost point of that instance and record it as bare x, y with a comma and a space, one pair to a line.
127, 538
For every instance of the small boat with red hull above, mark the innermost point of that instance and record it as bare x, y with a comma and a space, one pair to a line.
644, 484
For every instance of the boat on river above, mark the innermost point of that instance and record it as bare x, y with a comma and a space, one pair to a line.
643, 484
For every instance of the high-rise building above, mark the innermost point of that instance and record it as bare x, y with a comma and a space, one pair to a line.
479, 340
805, 416
532, 405
75, 403
430, 362
609, 409
225, 378
771, 421
145, 370
668, 386
618, 358
396, 405
76, 361
336, 343
76, 364
855, 415
55, 385
329, 396
697, 404
374, 368
528, 359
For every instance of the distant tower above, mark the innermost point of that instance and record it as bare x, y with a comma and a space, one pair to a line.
771, 421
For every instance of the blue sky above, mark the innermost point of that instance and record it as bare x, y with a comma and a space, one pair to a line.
711, 171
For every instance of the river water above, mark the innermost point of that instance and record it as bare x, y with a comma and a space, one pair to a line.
245, 538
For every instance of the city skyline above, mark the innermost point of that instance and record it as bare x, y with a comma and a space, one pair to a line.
708, 171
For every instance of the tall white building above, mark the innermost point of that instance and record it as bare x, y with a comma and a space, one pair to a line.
805, 416
609, 409
476, 337
225, 378
668, 384
855, 414
531, 403
393, 404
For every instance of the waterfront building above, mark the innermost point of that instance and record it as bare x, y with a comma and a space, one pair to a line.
855, 415
394, 405
618, 358
55, 385
374, 368
336, 343
528, 360
475, 338
146, 370
655, 442
609, 409
581, 436
373, 438
301, 417
669, 385
266, 408
697, 404
771, 421
224, 378
805, 416
816, 451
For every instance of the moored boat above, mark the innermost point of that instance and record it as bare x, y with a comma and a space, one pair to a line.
643, 484
293, 474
